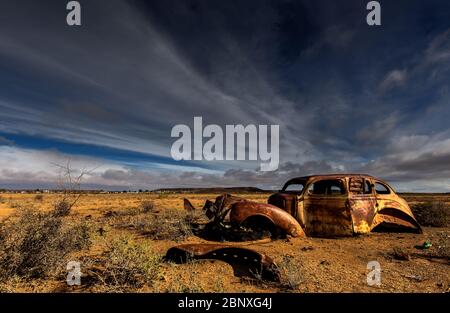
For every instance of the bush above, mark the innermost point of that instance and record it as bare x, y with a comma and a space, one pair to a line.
435, 214
62, 208
290, 274
127, 266
38, 197
147, 206
37, 244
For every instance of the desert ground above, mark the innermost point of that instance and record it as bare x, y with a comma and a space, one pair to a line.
130, 232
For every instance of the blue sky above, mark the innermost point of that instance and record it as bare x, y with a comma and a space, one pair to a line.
348, 97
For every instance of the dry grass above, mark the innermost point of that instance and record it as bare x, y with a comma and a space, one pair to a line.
190, 282
166, 225
432, 213
126, 266
442, 247
291, 276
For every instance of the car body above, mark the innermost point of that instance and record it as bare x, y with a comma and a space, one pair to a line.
331, 205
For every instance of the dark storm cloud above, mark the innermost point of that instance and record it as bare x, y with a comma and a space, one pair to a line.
347, 97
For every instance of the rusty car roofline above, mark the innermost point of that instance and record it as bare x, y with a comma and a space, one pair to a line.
344, 175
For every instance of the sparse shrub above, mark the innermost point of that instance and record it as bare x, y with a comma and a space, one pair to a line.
435, 214
36, 244
169, 224
443, 250
147, 206
127, 266
15, 204
38, 197
62, 208
129, 211
441, 247
290, 273
163, 195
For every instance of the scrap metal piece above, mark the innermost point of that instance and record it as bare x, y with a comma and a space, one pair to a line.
217, 210
188, 205
253, 262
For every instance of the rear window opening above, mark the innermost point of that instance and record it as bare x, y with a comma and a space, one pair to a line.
327, 187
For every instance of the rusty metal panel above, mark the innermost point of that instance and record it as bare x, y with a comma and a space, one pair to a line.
325, 217
362, 204
255, 262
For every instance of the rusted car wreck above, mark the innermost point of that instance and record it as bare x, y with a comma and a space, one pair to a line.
318, 206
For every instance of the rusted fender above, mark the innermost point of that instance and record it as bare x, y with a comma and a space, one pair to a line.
255, 262
282, 220
395, 214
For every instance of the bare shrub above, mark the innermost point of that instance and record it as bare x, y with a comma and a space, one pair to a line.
433, 213
62, 208
38, 197
290, 273
127, 266
36, 244
70, 183
147, 206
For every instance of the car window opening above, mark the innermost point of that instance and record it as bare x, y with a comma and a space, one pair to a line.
328, 187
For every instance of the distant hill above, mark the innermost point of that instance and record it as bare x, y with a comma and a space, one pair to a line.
213, 190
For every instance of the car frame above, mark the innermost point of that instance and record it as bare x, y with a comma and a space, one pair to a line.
329, 206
